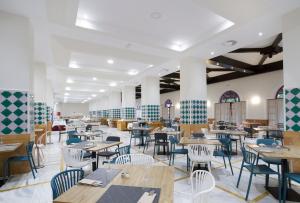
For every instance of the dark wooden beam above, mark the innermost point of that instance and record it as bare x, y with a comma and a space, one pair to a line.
173, 75
247, 50
216, 69
168, 86
257, 70
231, 64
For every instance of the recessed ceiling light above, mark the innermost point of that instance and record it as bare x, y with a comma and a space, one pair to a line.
260, 34
67, 94
133, 72
229, 43
212, 53
150, 66
110, 61
113, 84
69, 81
178, 67
94, 95
89, 98
178, 46
94, 78
73, 64
155, 15
68, 88
102, 90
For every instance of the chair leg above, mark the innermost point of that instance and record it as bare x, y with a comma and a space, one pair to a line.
33, 163
187, 162
284, 189
230, 165
241, 170
279, 188
267, 180
209, 166
224, 162
170, 159
154, 151
249, 184
31, 167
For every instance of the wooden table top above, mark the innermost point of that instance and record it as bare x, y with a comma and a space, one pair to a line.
38, 130
204, 141
288, 152
4, 148
140, 176
102, 145
267, 128
231, 132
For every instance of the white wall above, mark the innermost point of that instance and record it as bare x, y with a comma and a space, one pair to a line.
71, 109
16, 50
264, 86
39, 82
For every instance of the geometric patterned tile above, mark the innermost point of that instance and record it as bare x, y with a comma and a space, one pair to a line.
151, 112
39, 113
193, 112
13, 112
128, 113
292, 109
114, 113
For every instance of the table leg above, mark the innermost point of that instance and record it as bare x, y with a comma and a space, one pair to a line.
39, 165
94, 164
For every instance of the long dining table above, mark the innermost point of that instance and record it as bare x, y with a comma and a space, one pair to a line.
160, 177
285, 153
203, 141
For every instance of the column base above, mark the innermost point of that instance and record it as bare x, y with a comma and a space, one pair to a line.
188, 128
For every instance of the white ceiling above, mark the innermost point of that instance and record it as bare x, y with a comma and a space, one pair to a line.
125, 32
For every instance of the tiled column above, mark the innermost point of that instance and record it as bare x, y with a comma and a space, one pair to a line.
114, 105
128, 102
16, 110
193, 94
150, 98
291, 70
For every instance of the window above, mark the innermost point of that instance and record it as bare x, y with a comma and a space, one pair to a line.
229, 97
279, 94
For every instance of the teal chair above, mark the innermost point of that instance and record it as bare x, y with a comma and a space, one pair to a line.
249, 162
225, 150
290, 176
73, 140
28, 157
135, 134
63, 181
269, 161
120, 151
173, 151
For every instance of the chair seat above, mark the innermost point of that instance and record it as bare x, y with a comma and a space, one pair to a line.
261, 169
272, 161
219, 153
18, 158
180, 151
87, 155
107, 153
294, 176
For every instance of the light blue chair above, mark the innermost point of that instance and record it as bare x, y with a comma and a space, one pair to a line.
290, 176
249, 162
63, 181
225, 150
120, 151
173, 151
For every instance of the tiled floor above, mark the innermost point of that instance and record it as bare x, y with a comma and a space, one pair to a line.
26, 189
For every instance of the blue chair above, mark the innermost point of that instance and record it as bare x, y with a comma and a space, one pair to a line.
63, 181
72, 134
173, 151
225, 150
249, 162
148, 139
28, 157
268, 142
73, 140
291, 176
120, 151
135, 134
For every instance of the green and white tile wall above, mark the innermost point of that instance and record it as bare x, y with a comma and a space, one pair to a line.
105, 113
193, 112
49, 112
292, 109
114, 113
39, 112
15, 111
99, 114
128, 113
151, 112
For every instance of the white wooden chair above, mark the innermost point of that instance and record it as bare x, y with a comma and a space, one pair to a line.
135, 159
74, 158
200, 154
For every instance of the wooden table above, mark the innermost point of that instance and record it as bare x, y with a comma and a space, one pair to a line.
267, 129
8, 148
289, 152
157, 177
204, 141
100, 146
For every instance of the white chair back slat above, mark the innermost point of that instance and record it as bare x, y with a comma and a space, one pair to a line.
202, 183
135, 159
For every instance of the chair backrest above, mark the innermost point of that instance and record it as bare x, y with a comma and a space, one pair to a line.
173, 140
135, 159
72, 155
136, 132
248, 157
40, 138
198, 135
29, 148
113, 139
226, 144
123, 150
73, 140
222, 127
202, 182
63, 181
199, 151
88, 127
160, 137
267, 142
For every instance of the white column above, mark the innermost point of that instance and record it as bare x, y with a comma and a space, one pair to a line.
128, 102
115, 104
15, 74
150, 98
291, 70
49, 101
193, 91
